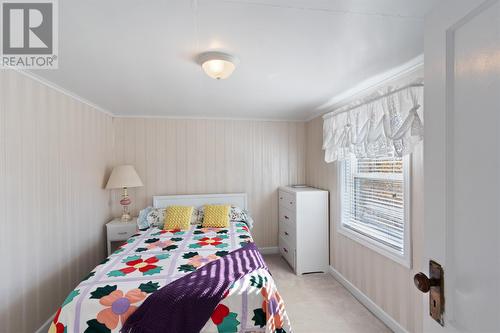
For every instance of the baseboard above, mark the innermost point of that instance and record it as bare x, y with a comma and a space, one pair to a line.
368, 303
45, 327
269, 250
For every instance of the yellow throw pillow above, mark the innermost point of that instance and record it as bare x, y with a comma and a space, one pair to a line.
178, 217
216, 216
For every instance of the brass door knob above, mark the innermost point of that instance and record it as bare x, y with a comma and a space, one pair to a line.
422, 282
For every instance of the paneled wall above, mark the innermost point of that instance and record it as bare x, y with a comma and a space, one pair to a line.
385, 282
54, 155
179, 156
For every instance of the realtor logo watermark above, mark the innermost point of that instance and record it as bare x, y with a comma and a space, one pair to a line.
29, 34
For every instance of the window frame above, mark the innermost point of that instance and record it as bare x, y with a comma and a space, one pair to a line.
404, 259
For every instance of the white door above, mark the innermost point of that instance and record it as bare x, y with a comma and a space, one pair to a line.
462, 162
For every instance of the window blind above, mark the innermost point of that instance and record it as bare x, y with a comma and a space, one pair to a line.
373, 202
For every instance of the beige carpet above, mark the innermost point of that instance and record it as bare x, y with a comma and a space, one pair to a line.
317, 303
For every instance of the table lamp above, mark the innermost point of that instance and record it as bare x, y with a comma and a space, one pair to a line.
124, 177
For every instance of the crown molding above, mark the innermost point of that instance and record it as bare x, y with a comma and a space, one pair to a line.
342, 99
62, 90
209, 118
79, 98
369, 86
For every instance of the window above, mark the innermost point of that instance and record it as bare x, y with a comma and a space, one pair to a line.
374, 204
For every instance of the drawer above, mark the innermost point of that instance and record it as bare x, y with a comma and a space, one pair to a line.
286, 200
286, 215
287, 252
121, 232
287, 231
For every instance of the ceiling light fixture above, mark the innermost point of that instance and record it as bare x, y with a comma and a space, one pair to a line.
218, 65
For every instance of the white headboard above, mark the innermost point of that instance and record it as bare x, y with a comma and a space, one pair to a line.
236, 199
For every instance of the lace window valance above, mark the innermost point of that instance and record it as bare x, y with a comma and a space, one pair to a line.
387, 125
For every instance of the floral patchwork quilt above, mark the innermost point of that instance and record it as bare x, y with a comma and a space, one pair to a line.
151, 259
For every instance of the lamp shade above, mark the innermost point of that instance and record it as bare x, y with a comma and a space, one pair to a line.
123, 176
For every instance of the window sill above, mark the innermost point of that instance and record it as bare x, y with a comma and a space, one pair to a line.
403, 260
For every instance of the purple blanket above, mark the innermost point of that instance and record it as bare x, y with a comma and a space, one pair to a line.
186, 304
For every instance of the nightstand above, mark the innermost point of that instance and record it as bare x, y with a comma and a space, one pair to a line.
117, 232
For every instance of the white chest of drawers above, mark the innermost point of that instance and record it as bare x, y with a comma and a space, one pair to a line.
303, 228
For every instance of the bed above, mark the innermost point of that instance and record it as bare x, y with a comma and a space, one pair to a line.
154, 258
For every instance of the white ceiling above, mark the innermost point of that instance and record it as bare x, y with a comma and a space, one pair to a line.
138, 57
